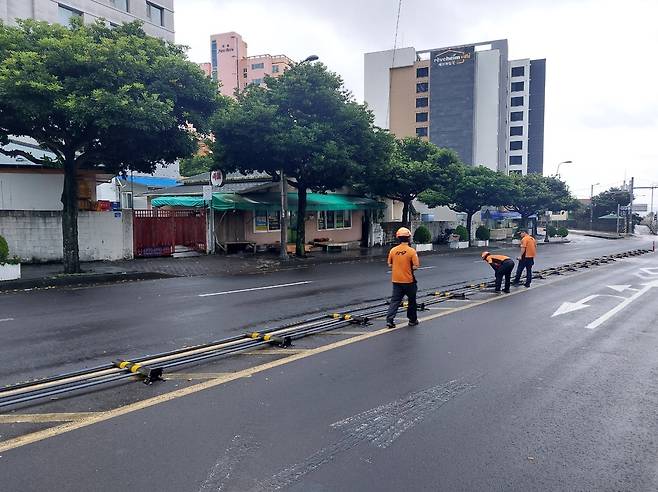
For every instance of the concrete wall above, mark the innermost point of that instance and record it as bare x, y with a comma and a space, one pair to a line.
37, 235
487, 111
92, 10
376, 78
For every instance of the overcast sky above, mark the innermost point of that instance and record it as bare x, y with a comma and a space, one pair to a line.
602, 74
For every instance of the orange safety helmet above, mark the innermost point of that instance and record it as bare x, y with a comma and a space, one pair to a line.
485, 254
403, 232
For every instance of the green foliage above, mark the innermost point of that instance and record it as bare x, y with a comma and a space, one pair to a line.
4, 250
414, 167
461, 231
552, 231
96, 97
534, 194
422, 235
562, 231
482, 233
198, 164
304, 123
606, 202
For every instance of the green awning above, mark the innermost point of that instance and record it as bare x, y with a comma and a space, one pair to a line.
270, 201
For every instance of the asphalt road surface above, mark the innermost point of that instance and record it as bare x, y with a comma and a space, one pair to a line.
549, 388
48, 332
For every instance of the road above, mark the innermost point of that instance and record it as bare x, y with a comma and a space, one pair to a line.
550, 388
52, 331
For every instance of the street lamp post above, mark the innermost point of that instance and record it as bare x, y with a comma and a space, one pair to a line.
558, 167
591, 206
548, 214
283, 220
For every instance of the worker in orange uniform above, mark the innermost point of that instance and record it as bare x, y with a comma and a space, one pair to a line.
403, 260
503, 266
527, 258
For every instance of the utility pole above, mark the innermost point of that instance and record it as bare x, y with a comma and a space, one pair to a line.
283, 219
591, 206
630, 212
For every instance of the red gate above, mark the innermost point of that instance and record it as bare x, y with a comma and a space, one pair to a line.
158, 232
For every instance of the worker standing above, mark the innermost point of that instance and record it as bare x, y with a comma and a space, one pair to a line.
403, 260
503, 266
527, 258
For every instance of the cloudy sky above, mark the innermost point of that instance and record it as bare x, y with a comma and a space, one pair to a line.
602, 77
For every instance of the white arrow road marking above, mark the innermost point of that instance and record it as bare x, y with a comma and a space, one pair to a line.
621, 288
568, 307
6, 319
596, 323
267, 287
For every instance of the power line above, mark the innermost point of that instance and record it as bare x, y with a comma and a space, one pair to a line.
395, 49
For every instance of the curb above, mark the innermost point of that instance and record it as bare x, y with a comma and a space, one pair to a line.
80, 280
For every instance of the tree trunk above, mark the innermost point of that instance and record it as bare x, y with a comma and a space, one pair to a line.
70, 217
469, 225
301, 222
405, 213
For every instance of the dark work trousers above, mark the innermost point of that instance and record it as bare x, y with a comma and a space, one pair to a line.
399, 291
524, 264
504, 270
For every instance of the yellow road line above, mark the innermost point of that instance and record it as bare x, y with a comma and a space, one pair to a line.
336, 332
38, 418
282, 351
99, 417
194, 375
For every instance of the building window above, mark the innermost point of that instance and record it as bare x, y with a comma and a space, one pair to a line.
422, 87
257, 81
267, 220
257, 66
422, 102
421, 117
515, 131
516, 171
66, 14
155, 14
338, 219
121, 5
244, 75
213, 53
516, 160
422, 72
516, 145
275, 68
518, 71
421, 131
518, 86
516, 116
126, 200
517, 101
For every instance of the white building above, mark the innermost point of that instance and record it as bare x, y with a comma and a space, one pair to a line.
157, 15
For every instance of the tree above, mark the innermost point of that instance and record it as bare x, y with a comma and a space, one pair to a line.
470, 189
98, 98
303, 123
534, 194
414, 166
198, 164
606, 202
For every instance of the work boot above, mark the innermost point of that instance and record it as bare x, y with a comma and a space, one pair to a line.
506, 291
390, 325
413, 323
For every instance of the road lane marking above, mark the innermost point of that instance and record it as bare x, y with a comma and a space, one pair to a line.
99, 417
605, 317
338, 333
267, 287
187, 376
569, 307
39, 418
281, 351
6, 319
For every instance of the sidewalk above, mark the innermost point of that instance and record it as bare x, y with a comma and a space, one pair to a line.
599, 234
50, 275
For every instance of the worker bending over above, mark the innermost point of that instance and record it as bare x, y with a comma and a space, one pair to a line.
403, 260
503, 266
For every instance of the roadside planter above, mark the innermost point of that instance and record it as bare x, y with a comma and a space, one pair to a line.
10, 272
423, 247
459, 244
10, 268
481, 244
516, 241
423, 239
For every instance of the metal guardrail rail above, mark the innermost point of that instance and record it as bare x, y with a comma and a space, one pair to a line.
150, 368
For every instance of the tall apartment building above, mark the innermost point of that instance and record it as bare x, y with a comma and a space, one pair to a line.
460, 97
233, 69
157, 15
